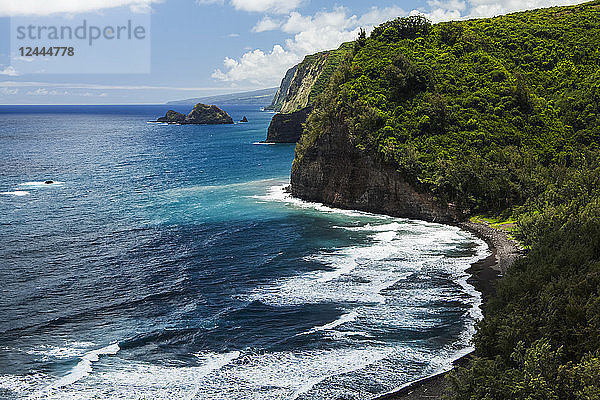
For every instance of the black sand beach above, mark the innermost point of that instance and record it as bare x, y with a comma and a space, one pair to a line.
484, 273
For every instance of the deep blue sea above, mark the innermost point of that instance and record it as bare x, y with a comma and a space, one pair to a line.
168, 262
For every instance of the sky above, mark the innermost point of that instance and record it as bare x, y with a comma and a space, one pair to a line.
191, 48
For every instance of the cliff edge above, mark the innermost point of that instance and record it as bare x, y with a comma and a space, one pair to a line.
298, 89
335, 172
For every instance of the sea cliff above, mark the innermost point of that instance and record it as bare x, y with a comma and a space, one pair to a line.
300, 86
287, 128
497, 117
335, 172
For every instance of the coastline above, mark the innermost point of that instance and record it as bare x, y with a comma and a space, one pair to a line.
484, 273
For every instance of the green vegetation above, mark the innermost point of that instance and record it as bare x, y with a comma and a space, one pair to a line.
501, 117
334, 59
310, 78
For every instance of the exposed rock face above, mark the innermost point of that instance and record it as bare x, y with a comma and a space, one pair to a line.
201, 114
212, 115
301, 86
282, 92
334, 172
287, 128
245, 119
172, 116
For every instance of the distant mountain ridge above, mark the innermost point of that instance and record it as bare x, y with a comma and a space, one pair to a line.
261, 97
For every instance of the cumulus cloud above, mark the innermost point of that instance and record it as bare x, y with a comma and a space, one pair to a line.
10, 71
14, 8
267, 6
447, 10
257, 66
328, 29
266, 24
376, 16
311, 33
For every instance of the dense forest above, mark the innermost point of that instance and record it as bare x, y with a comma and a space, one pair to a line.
500, 117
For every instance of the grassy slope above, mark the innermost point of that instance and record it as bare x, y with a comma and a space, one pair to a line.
500, 116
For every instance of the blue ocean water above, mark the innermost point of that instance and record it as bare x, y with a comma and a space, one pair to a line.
168, 262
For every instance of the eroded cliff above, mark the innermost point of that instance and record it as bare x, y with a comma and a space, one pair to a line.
300, 86
335, 172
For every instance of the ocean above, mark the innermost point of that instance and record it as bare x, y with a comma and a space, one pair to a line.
168, 262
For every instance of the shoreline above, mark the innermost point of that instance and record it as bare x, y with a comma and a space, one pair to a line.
484, 273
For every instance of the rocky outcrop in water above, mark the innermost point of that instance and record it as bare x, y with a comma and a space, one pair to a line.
201, 114
172, 116
210, 115
287, 128
335, 172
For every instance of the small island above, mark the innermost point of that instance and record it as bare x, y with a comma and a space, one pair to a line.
201, 114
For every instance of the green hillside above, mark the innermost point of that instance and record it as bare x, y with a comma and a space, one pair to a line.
501, 117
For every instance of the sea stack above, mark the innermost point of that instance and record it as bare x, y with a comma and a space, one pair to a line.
201, 114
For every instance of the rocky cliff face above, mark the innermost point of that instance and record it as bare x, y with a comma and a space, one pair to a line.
287, 128
172, 116
334, 172
203, 114
301, 84
298, 83
283, 90
292, 99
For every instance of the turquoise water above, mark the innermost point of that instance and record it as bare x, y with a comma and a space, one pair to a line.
167, 262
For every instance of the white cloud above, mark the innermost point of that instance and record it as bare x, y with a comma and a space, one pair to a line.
12, 8
256, 65
10, 71
210, 2
266, 6
490, 8
376, 16
24, 59
323, 31
446, 10
266, 24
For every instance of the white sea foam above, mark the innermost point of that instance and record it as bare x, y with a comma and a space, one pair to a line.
81, 370
268, 376
192, 190
385, 284
73, 349
279, 193
349, 317
16, 193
